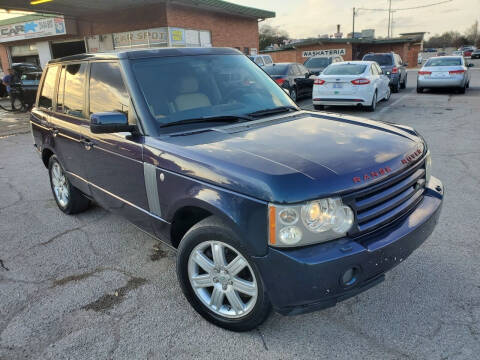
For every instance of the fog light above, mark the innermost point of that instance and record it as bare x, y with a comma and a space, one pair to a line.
349, 277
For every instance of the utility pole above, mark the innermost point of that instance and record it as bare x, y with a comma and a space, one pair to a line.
389, 16
353, 24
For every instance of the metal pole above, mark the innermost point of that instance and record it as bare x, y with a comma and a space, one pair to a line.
389, 16
353, 24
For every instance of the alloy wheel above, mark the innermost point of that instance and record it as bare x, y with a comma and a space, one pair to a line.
222, 279
60, 186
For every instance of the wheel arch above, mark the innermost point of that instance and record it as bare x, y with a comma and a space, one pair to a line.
46, 155
242, 215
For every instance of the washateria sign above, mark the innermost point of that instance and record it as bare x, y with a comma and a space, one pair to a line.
328, 52
33, 29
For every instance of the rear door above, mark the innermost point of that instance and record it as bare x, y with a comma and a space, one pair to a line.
68, 122
306, 81
114, 161
40, 115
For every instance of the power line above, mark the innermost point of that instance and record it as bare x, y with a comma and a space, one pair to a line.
391, 11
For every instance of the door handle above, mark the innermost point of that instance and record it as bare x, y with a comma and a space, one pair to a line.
87, 144
55, 132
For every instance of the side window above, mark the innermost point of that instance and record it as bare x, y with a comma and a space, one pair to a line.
268, 60
61, 90
107, 90
259, 61
303, 69
73, 102
48, 88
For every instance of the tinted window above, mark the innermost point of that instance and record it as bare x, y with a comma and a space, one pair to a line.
74, 89
46, 96
320, 62
303, 69
345, 69
60, 91
276, 69
383, 60
107, 91
444, 61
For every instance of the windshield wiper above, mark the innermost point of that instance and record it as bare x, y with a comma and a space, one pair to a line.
274, 110
220, 118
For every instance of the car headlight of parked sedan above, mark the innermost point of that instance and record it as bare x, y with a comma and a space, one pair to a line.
309, 223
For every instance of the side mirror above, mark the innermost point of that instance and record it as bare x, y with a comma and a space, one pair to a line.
470, 65
109, 122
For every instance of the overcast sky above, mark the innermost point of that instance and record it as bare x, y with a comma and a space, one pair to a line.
306, 18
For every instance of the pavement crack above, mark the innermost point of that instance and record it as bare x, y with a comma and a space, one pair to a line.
262, 337
2, 265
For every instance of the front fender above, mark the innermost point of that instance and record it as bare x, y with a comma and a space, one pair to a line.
246, 216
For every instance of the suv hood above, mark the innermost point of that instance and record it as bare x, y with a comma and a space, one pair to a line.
290, 158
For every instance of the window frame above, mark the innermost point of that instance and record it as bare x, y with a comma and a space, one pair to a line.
57, 84
132, 118
89, 72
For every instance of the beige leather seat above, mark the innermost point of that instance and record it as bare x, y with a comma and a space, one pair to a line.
189, 97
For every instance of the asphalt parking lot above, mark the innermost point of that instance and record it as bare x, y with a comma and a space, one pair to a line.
92, 286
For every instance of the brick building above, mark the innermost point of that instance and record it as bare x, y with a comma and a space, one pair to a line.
98, 26
350, 49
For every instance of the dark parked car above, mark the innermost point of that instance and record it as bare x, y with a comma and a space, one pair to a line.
267, 205
293, 77
475, 54
25, 88
392, 66
316, 64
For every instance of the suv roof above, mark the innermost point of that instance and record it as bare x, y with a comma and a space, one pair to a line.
145, 53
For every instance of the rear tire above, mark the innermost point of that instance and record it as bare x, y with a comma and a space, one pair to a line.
206, 254
373, 106
395, 87
419, 90
68, 198
463, 89
319, 107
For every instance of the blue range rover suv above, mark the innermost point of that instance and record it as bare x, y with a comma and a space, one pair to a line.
267, 205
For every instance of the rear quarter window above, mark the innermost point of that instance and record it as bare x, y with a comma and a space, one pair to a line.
48, 88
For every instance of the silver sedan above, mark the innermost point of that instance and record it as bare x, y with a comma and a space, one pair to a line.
444, 71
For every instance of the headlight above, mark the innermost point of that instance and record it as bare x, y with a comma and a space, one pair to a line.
321, 220
428, 166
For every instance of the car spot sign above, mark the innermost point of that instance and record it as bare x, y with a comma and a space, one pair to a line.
326, 52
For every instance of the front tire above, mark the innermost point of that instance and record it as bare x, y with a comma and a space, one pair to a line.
395, 87
68, 198
419, 90
319, 107
219, 279
403, 85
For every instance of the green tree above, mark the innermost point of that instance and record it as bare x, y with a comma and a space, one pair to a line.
270, 35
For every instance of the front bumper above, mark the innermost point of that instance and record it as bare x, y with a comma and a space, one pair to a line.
310, 278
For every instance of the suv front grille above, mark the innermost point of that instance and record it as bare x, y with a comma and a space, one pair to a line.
383, 203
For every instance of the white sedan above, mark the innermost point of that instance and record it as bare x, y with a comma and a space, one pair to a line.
359, 83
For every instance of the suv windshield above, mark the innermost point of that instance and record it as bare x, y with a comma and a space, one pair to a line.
206, 86
382, 60
444, 61
318, 62
345, 69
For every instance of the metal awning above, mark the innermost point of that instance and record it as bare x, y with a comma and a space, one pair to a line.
82, 8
